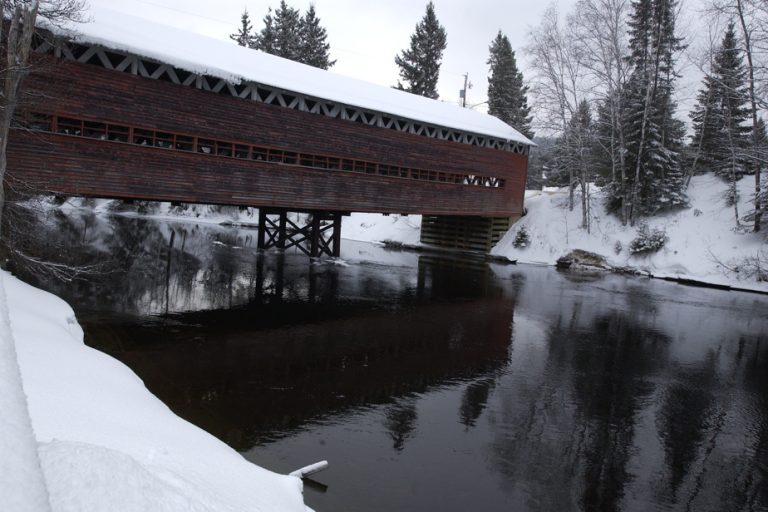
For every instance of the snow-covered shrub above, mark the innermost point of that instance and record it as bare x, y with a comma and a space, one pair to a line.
648, 240
617, 247
522, 238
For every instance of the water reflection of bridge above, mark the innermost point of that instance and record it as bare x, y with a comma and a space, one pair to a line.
302, 348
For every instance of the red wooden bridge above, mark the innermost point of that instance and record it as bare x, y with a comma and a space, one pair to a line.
109, 123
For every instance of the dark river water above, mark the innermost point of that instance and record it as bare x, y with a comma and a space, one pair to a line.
432, 383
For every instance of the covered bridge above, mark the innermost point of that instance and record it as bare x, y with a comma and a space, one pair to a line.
126, 108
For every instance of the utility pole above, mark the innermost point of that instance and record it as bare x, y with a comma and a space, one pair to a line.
463, 92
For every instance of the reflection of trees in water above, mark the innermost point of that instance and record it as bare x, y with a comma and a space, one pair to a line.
567, 436
400, 421
475, 399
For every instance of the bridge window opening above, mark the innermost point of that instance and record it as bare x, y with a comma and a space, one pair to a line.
69, 126
347, 165
310, 104
95, 130
205, 146
242, 151
370, 168
224, 148
185, 143
164, 140
306, 160
40, 122
275, 156
117, 133
259, 154
290, 158
334, 163
144, 137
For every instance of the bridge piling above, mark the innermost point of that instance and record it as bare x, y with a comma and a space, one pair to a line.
315, 233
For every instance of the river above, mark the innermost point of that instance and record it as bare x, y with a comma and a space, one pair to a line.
430, 382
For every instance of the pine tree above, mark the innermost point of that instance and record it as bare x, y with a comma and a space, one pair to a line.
720, 135
420, 63
654, 137
315, 50
244, 36
507, 96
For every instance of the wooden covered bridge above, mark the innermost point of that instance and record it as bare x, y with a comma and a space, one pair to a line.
133, 110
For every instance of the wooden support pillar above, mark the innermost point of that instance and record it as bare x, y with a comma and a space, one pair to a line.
336, 235
262, 229
314, 236
320, 236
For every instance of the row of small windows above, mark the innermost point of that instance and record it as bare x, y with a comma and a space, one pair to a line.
179, 142
158, 71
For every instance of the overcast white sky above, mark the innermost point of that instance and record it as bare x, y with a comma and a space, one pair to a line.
365, 35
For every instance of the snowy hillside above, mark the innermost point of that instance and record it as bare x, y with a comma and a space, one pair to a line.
702, 242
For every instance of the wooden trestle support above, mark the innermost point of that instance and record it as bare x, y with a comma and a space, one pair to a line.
319, 234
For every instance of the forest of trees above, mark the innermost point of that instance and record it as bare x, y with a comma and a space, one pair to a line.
602, 95
604, 86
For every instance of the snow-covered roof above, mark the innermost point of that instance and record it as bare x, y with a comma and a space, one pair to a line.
204, 55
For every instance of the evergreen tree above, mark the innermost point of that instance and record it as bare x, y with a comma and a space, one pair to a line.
720, 135
265, 40
244, 36
420, 63
281, 34
653, 136
287, 25
507, 96
315, 49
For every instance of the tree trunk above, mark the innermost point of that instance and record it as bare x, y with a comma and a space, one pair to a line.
753, 107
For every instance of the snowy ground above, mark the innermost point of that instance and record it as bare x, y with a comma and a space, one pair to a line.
702, 242
104, 442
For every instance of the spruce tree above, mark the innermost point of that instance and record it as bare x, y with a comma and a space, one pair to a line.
507, 95
654, 137
287, 25
420, 63
315, 50
244, 36
265, 39
720, 135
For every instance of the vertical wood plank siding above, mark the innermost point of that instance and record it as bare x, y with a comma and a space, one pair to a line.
71, 165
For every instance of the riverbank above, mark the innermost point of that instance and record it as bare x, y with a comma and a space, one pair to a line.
104, 441
702, 243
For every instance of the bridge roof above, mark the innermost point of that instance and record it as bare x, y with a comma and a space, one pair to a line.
203, 55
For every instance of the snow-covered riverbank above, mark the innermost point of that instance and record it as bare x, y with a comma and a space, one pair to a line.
702, 243
104, 441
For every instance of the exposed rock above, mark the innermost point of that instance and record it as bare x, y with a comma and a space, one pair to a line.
578, 259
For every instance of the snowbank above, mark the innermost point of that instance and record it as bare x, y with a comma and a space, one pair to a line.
106, 443
702, 243
373, 227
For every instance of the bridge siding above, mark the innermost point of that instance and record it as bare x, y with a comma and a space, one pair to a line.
90, 92
78, 166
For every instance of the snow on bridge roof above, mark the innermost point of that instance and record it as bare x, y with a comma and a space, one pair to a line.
203, 55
